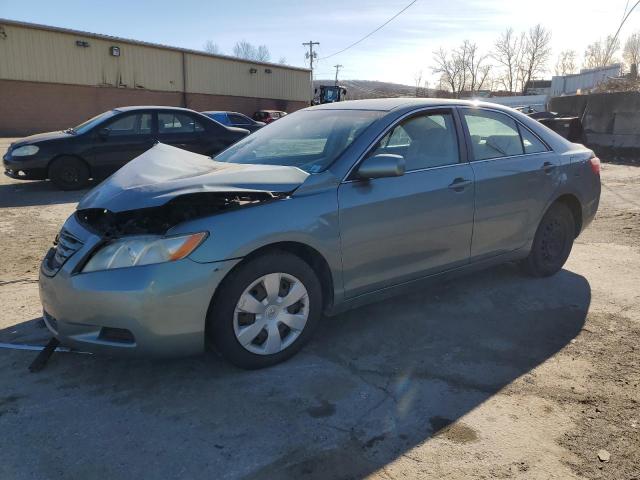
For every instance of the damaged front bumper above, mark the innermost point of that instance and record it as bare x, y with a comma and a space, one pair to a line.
150, 310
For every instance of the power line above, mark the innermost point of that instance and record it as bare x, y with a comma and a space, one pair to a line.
370, 33
609, 51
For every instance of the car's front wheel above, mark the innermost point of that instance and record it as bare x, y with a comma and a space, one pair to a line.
69, 173
265, 310
552, 243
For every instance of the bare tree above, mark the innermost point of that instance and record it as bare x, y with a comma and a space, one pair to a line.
536, 53
212, 47
475, 64
463, 69
451, 70
483, 77
631, 51
248, 51
566, 63
601, 53
508, 52
262, 54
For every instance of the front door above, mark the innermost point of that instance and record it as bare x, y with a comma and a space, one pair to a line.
121, 140
398, 229
516, 175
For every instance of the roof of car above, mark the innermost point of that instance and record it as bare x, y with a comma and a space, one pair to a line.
221, 111
388, 104
151, 107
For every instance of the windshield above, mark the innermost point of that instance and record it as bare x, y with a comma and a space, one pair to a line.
92, 122
310, 140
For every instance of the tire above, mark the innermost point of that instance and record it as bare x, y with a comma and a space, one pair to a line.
69, 173
552, 243
260, 319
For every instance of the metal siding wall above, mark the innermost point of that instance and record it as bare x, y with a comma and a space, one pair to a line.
218, 76
32, 54
44, 56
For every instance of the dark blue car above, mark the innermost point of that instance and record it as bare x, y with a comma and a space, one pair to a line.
234, 119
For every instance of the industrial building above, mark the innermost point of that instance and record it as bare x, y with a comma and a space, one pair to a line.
53, 78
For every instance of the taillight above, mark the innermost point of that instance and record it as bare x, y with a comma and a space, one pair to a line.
595, 165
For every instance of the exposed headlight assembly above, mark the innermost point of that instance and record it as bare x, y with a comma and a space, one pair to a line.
25, 151
143, 250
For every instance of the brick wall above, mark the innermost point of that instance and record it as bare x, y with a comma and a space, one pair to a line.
33, 107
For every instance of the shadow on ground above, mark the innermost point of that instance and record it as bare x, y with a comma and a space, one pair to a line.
36, 192
373, 384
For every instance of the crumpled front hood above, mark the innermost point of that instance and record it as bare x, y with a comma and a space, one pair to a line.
164, 172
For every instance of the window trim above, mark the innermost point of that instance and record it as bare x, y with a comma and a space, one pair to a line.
246, 119
463, 156
188, 115
519, 125
138, 123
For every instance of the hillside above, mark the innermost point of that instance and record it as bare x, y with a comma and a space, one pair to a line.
358, 89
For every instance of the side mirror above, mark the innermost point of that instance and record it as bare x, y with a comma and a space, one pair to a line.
103, 133
381, 165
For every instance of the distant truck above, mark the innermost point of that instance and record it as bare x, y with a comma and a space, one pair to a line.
329, 94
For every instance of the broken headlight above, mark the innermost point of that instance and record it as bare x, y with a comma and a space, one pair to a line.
143, 250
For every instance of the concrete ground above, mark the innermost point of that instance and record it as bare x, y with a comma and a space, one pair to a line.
492, 376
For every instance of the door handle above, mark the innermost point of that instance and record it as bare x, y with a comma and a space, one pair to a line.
548, 167
459, 184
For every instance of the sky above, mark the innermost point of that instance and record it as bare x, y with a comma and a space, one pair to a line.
394, 54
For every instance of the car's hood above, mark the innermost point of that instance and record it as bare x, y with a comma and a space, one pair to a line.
164, 172
41, 137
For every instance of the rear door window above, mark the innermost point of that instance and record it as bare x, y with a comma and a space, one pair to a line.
493, 134
221, 117
531, 143
237, 119
173, 122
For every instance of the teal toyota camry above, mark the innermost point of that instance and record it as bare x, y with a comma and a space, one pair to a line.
324, 210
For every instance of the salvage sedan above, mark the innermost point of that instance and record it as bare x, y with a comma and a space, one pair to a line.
331, 207
98, 147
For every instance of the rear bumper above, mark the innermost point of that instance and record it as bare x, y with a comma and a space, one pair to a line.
163, 306
590, 199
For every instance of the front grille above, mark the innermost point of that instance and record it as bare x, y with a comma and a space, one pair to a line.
65, 245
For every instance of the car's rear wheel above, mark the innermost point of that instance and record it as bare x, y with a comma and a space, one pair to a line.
552, 243
69, 173
265, 310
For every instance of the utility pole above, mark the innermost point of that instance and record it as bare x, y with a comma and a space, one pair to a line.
337, 67
311, 55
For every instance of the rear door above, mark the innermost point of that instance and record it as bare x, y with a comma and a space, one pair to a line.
516, 175
120, 140
183, 130
398, 229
